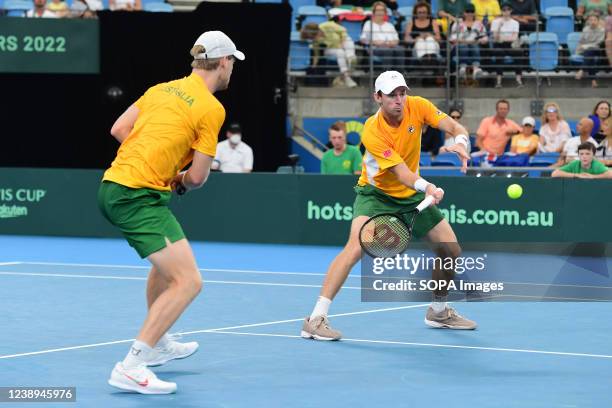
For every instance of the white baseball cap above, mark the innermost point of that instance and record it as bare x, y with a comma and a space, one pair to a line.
216, 45
388, 81
528, 120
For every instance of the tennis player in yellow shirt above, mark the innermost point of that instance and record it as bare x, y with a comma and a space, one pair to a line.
390, 182
171, 125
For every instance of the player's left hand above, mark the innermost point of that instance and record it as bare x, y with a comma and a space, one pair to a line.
436, 192
460, 151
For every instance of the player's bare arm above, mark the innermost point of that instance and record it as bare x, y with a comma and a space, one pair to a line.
412, 180
460, 148
197, 174
125, 123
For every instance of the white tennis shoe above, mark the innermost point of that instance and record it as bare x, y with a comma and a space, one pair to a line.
139, 379
173, 351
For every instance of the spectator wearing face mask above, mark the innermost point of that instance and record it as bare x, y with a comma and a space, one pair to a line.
233, 155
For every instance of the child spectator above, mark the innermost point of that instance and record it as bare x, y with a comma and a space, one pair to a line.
526, 141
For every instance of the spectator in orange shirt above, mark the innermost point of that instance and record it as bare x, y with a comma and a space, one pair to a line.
495, 131
526, 141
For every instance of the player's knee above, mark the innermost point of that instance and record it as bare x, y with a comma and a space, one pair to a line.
190, 284
448, 250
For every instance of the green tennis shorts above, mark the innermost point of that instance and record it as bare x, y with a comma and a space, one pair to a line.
141, 214
371, 201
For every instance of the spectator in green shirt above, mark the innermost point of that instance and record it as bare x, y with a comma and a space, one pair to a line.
451, 9
585, 166
586, 7
342, 158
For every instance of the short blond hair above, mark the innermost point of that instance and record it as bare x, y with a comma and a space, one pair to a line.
553, 105
209, 64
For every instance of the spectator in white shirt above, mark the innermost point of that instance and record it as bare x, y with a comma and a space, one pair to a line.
505, 31
40, 10
570, 150
233, 155
382, 36
554, 131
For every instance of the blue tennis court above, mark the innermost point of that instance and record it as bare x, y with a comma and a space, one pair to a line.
72, 306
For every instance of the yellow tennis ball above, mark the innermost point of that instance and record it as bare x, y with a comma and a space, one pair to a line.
514, 191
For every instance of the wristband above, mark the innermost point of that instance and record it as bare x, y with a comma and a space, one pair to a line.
421, 185
462, 139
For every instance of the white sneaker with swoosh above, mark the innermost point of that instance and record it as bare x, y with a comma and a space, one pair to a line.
139, 379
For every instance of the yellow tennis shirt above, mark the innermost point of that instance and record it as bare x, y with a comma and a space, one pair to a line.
175, 118
387, 146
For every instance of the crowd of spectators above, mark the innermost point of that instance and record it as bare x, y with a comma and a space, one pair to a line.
487, 35
78, 8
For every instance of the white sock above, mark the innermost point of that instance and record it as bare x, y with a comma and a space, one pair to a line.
163, 341
321, 308
438, 306
439, 303
139, 354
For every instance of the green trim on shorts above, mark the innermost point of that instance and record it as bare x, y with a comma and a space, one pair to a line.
142, 215
371, 201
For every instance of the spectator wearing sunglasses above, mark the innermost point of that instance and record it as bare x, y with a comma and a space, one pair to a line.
449, 140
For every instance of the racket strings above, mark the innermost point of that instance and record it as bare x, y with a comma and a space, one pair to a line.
385, 236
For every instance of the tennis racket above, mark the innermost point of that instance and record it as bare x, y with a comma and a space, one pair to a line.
387, 235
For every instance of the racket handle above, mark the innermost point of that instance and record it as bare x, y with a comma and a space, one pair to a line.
425, 203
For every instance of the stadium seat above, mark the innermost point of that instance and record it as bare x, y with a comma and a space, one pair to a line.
299, 53
543, 51
406, 4
290, 170
446, 159
406, 13
543, 159
560, 20
158, 7
312, 14
299, 56
353, 28
572, 44
544, 4
17, 8
425, 159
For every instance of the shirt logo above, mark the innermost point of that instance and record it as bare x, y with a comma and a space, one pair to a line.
439, 113
411, 129
387, 153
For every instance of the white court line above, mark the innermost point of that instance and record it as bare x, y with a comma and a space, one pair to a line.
405, 343
33, 353
88, 265
387, 309
63, 275
9, 263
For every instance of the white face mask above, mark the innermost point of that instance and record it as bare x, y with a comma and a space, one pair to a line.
235, 138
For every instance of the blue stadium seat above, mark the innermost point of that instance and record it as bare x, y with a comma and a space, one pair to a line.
407, 3
312, 14
543, 51
446, 159
543, 159
572, 44
544, 4
405, 12
560, 20
158, 7
425, 159
17, 8
295, 6
299, 54
353, 28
